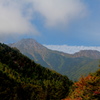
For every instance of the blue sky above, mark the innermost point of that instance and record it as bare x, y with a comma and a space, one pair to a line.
56, 22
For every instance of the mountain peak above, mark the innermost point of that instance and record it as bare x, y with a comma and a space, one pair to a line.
28, 43
30, 47
29, 40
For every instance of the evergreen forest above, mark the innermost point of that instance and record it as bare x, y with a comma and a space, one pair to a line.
23, 79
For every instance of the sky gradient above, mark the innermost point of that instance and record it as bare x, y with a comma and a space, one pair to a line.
51, 22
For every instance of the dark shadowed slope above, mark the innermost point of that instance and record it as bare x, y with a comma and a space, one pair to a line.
23, 79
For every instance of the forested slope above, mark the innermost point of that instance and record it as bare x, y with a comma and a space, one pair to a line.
23, 79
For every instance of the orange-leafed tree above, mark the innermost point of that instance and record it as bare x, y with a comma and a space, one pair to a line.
87, 88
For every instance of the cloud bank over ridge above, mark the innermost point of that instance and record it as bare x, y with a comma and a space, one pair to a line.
71, 49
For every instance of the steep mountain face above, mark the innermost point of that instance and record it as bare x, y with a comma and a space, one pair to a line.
33, 50
23, 79
38, 53
73, 66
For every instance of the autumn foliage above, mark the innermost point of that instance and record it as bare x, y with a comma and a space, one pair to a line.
87, 88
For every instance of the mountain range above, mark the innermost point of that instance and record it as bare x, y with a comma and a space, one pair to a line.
73, 65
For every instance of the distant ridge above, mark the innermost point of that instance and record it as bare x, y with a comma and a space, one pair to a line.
72, 65
88, 53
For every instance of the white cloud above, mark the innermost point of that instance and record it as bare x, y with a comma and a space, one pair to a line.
59, 11
13, 19
16, 15
71, 49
